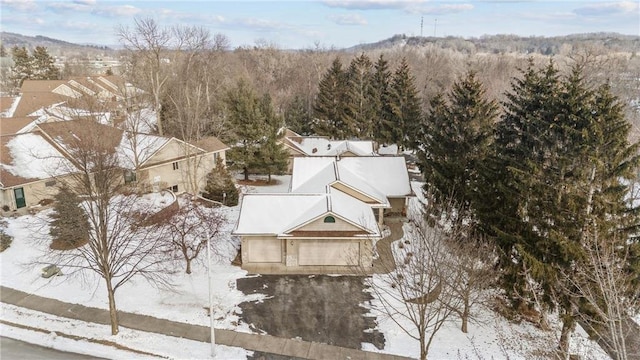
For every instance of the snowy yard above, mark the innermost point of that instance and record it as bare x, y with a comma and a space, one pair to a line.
493, 337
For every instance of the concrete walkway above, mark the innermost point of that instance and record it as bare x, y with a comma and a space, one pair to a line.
385, 263
263, 343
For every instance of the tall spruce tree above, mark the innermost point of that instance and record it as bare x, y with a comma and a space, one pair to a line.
333, 112
359, 76
69, 226
249, 126
454, 141
297, 116
220, 185
563, 162
22, 65
381, 101
406, 112
272, 158
43, 65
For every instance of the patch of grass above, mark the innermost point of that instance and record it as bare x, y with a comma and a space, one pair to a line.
5, 241
259, 182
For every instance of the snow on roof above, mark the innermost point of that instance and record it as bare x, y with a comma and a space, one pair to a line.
375, 176
332, 173
11, 109
391, 149
322, 146
277, 214
32, 157
138, 148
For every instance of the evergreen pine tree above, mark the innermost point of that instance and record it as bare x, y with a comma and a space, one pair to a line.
454, 141
406, 113
22, 65
333, 115
43, 65
297, 116
69, 227
247, 120
220, 185
566, 162
273, 156
381, 101
359, 77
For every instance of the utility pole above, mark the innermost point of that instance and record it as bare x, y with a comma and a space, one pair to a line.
421, 25
213, 335
435, 27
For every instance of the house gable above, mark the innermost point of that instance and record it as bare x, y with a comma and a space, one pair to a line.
172, 150
338, 185
329, 223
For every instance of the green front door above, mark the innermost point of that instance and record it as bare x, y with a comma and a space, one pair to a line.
20, 201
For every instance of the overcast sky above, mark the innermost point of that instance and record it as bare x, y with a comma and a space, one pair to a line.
302, 24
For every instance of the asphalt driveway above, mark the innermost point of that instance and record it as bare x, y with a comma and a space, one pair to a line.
317, 308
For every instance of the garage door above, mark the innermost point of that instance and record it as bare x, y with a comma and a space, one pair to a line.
328, 253
268, 250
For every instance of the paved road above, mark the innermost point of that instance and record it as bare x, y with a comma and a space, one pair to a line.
291, 348
15, 349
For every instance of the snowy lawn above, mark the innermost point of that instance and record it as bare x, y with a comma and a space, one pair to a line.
186, 302
493, 337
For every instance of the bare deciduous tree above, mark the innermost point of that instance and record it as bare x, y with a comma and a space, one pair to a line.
123, 241
607, 292
191, 227
417, 292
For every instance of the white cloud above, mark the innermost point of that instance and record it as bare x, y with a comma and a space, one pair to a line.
117, 11
85, 2
348, 19
20, 5
372, 4
441, 9
68, 6
609, 8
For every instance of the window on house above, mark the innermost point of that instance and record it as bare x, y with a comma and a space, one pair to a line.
329, 219
174, 188
175, 166
129, 176
50, 183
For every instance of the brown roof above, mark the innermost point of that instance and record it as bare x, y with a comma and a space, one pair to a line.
82, 131
35, 100
211, 144
6, 102
12, 125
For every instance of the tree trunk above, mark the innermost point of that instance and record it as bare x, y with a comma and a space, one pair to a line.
568, 324
423, 348
269, 178
246, 173
465, 317
188, 266
113, 312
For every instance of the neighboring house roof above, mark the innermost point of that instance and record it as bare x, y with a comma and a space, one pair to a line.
391, 149
8, 104
281, 214
30, 157
39, 94
375, 176
15, 125
322, 146
211, 144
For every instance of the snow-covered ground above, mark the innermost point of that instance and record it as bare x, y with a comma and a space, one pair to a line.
494, 337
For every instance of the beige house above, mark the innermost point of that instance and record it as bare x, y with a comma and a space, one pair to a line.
32, 163
382, 182
329, 220
312, 146
330, 232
